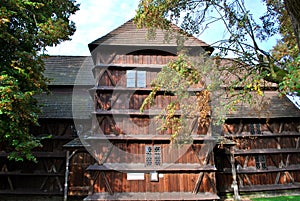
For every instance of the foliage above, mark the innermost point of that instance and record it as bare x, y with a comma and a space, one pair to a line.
251, 70
285, 53
243, 31
293, 8
291, 80
26, 29
189, 106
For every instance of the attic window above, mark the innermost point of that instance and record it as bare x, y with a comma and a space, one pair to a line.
136, 78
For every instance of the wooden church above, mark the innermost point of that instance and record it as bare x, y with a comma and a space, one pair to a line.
104, 148
135, 161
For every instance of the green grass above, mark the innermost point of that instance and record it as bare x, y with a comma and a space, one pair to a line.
281, 198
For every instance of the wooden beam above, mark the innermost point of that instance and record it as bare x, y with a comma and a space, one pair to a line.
111, 78
96, 174
106, 183
93, 181
198, 183
205, 162
100, 74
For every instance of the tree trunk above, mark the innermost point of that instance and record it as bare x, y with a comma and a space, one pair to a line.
293, 8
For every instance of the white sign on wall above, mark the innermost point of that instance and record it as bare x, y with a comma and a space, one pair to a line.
135, 176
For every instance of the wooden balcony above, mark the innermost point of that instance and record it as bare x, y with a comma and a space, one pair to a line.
262, 135
165, 167
152, 196
130, 89
265, 151
144, 137
269, 169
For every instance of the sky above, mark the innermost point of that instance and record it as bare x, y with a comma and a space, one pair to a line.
94, 19
98, 17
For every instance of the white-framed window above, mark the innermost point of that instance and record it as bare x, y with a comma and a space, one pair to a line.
153, 155
136, 78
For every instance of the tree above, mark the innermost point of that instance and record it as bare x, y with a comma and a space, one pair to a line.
251, 66
293, 9
244, 31
27, 27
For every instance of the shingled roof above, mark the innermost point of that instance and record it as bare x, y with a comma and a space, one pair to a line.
71, 77
69, 70
274, 107
66, 105
128, 35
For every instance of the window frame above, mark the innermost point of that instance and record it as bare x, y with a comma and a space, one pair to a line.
136, 79
153, 155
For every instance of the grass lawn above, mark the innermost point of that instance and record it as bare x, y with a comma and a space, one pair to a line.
281, 198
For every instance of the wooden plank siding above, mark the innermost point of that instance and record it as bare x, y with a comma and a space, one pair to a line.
168, 182
267, 154
132, 124
117, 116
129, 152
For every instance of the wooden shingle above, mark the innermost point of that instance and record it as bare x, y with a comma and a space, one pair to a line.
128, 35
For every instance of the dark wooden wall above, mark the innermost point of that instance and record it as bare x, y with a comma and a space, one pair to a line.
267, 154
46, 176
116, 115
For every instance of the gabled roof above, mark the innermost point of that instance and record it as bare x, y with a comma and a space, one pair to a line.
128, 35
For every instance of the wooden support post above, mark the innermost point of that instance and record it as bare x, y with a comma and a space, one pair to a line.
234, 185
68, 158
5, 169
66, 176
